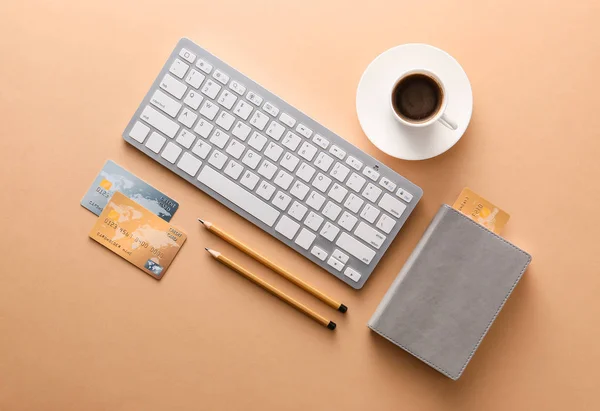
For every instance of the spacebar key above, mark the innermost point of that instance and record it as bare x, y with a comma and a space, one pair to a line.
238, 195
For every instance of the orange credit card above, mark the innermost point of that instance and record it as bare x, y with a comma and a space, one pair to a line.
138, 235
481, 210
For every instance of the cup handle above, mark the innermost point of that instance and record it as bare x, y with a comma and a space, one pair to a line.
445, 120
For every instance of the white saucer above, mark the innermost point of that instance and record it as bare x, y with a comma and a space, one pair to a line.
375, 114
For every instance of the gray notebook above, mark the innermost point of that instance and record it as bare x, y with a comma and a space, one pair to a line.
449, 292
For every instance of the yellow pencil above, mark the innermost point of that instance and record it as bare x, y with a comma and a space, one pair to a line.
265, 285
282, 272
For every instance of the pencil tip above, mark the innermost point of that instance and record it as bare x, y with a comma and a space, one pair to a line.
202, 221
207, 249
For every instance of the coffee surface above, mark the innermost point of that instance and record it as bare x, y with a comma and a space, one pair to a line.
417, 97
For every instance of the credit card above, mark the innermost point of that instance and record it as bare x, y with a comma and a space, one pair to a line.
136, 234
114, 178
481, 210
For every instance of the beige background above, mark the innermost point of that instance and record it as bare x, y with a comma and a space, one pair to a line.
82, 329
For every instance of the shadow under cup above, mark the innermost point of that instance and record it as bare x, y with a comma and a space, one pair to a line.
417, 97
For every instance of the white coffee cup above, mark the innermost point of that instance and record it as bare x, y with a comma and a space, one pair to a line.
438, 114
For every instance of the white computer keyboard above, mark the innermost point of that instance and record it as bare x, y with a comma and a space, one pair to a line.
271, 164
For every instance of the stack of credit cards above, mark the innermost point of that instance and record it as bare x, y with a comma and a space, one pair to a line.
134, 219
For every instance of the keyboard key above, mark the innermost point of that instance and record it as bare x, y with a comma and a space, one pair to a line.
323, 161
291, 141
186, 138
356, 182
172, 86
219, 138
321, 141
267, 169
287, 120
209, 110
329, 231
337, 192
211, 89
160, 122
217, 159
187, 117
282, 200
354, 163
195, 78
259, 120
233, 169
201, 149
241, 131
305, 238
287, 227
369, 235
307, 151
338, 265
225, 120
299, 190
249, 180
331, 211
313, 221
386, 223
305, 172
254, 98
352, 274
338, 255
405, 195
257, 141
242, 198
203, 128
283, 180
338, 152
273, 151
265, 190
297, 211
179, 68
303, 130
355, 248
251, 159
387, 184
289, 161
165, 103
340, 172
204, 66
155, 142
221, 77
235, 149
391, 205
237, 87
188, 55
372, 174
189, 164
243, 110
171, 152
353, 203
271, 109
347, 221
315, 200
275, 130
226, 99
139, 131
319, 253
369, 213
372, 192
193, 99
321, 182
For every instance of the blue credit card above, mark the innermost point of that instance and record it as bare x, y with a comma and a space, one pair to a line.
114, 178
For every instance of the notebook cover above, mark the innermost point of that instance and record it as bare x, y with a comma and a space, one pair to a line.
449, 292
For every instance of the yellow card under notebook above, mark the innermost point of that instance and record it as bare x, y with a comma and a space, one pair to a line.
480, 210
138, 235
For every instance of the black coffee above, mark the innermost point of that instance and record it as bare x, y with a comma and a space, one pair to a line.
417, 97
